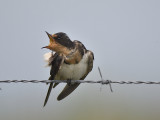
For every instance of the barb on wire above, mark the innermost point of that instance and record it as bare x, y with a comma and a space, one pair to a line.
80, 81
101, 77
104, 81
100, 73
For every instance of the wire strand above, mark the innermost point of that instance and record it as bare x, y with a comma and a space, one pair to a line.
80, 81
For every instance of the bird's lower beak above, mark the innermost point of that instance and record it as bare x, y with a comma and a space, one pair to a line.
48, 47
44, 47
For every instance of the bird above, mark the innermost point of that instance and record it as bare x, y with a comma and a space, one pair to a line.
69, 60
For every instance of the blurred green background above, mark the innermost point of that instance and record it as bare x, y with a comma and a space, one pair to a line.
124, 36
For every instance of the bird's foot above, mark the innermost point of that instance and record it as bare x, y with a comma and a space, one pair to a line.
69, 82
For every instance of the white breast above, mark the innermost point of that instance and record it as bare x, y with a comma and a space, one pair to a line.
73, 71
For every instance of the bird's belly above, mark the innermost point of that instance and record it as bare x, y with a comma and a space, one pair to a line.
72, 71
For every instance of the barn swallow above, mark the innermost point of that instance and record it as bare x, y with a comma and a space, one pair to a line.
70, 61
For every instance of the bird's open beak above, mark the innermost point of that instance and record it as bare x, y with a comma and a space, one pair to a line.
52, 42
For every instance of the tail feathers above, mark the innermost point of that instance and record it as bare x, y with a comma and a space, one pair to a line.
67, 90
48, 93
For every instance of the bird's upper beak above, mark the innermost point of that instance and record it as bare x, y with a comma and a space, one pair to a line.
55, 46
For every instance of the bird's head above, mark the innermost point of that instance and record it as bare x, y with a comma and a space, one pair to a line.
60, 43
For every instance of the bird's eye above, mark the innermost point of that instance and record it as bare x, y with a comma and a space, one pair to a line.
58, 37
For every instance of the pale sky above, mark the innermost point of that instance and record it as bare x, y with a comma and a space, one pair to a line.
124, 36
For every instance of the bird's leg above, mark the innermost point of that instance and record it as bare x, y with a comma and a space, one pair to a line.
69, 82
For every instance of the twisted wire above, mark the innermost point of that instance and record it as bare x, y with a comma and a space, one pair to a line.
80, 81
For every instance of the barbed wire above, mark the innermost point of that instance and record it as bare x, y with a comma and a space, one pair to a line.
80, 81
102, 82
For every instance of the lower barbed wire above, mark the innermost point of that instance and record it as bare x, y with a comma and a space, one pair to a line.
80, 81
